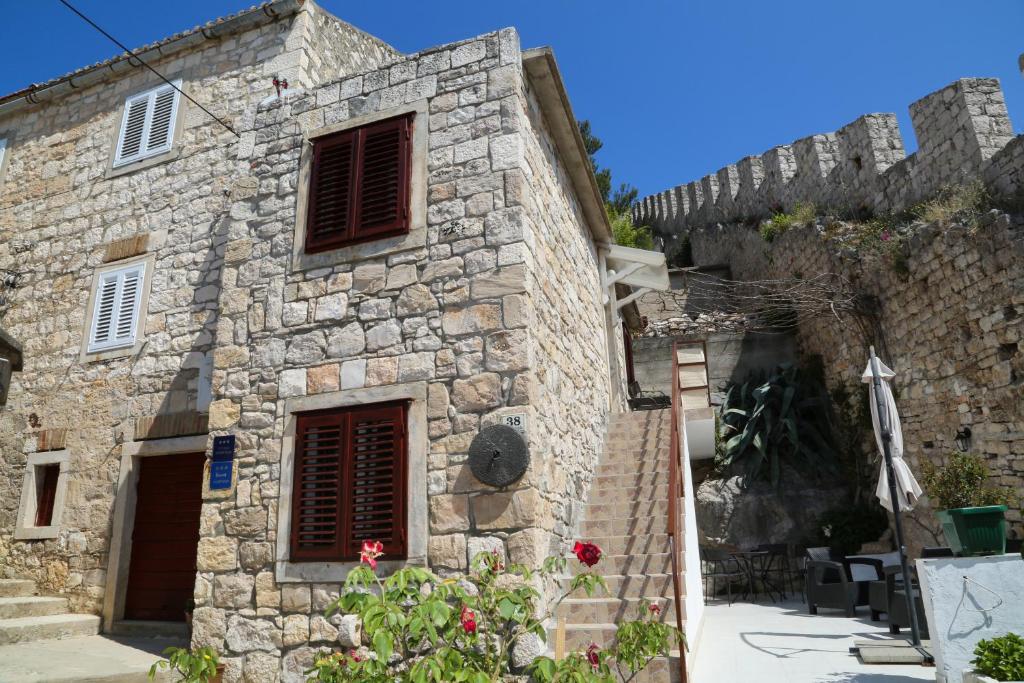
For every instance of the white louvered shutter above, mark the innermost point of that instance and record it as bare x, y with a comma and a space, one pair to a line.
147, 127
115, 317
3, 151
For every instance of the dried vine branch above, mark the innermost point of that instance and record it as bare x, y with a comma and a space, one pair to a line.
708, 304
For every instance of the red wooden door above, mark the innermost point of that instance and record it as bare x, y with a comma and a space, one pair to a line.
163, 565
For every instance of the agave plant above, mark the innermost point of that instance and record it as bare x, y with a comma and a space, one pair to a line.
774, 419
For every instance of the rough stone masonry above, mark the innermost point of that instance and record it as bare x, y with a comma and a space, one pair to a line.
949, 322
491, 305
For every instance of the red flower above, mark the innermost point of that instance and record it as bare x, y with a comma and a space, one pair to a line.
371, 551
354, 655
592, 656
886, 236
588, 553
654, 609
468, 619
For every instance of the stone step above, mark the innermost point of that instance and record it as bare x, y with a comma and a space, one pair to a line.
632, 466
625, 441
617, 481
640, 416
639, 544
625, 526
578, 637
31, 606
13, 588
610, 565
633, 586
625, 509
50, 627
597, 610
629, 494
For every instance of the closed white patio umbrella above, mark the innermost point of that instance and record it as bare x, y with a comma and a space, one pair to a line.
907, 488
891, 484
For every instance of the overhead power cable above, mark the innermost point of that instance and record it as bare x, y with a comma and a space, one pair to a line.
134, 56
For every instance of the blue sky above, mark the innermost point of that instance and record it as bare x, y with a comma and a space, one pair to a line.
675, 89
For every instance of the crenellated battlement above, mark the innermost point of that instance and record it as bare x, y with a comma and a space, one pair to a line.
963, 132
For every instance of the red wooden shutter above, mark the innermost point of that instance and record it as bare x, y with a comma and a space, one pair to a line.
359, 184
332, 186
384, 177
350, 482
376, 478
46, 482
316, 488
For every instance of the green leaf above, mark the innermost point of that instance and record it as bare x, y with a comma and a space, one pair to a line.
383, 645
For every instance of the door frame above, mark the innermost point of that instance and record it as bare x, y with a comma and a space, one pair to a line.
119, 561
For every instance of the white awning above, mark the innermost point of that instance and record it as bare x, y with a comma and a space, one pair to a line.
640, 269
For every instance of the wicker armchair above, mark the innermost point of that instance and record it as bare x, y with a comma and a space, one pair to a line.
829, 582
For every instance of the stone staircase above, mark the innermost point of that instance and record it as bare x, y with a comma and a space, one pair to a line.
26, 616
627, 516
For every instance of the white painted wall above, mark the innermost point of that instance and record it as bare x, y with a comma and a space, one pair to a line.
691, 552
989, 603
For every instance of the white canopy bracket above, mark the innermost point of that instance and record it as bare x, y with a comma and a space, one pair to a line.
631, 298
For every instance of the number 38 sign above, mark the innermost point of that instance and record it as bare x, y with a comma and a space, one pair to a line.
516, 421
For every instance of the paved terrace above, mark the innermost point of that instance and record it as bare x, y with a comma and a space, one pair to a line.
770, 643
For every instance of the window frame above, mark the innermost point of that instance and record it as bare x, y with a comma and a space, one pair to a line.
26, 529
119, 274
353, 233
382, 246
88, 354
345, 549
417, 454
150, 95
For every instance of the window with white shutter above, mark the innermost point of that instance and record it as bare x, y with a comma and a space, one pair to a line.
3, 151
115, 314
147, 126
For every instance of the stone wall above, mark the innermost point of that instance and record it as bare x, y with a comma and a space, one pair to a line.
951, 328
571, 393
460, 309
860, 167
950, 325
63, 213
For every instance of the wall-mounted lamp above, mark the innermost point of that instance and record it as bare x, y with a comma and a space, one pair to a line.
963, 439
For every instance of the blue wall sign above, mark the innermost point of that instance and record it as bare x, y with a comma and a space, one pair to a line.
220, 474
223, 462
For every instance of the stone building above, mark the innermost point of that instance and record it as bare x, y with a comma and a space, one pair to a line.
944, 309
384, 256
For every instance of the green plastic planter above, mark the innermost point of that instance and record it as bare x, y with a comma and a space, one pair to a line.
975, 531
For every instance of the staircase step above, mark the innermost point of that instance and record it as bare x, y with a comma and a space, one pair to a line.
652, 563
13, 588
635, 585
625, 525
617, 481
629, 494
627, 466
603, 509
50, 627
598, 610
578, 637
636, 544
31, 606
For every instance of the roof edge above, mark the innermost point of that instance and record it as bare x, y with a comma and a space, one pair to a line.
542, 69
38, 93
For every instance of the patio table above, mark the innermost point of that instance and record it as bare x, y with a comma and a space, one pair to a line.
756, 564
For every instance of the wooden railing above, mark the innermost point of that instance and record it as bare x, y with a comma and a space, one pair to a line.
676, 528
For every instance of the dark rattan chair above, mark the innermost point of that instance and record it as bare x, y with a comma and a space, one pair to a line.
718, 564
829, 582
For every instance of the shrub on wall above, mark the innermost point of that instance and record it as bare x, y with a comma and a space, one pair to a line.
777, 419
961, 483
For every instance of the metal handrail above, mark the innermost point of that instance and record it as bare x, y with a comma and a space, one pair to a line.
676, 530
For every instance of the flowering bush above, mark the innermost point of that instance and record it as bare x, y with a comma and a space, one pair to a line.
197, 667
418, 628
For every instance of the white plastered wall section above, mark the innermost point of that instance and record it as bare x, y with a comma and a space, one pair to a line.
418, 445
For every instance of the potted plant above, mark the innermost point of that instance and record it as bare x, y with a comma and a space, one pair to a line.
1000, 659
200, 666
973, 515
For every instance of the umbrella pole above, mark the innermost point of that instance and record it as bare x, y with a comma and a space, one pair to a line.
883, 422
